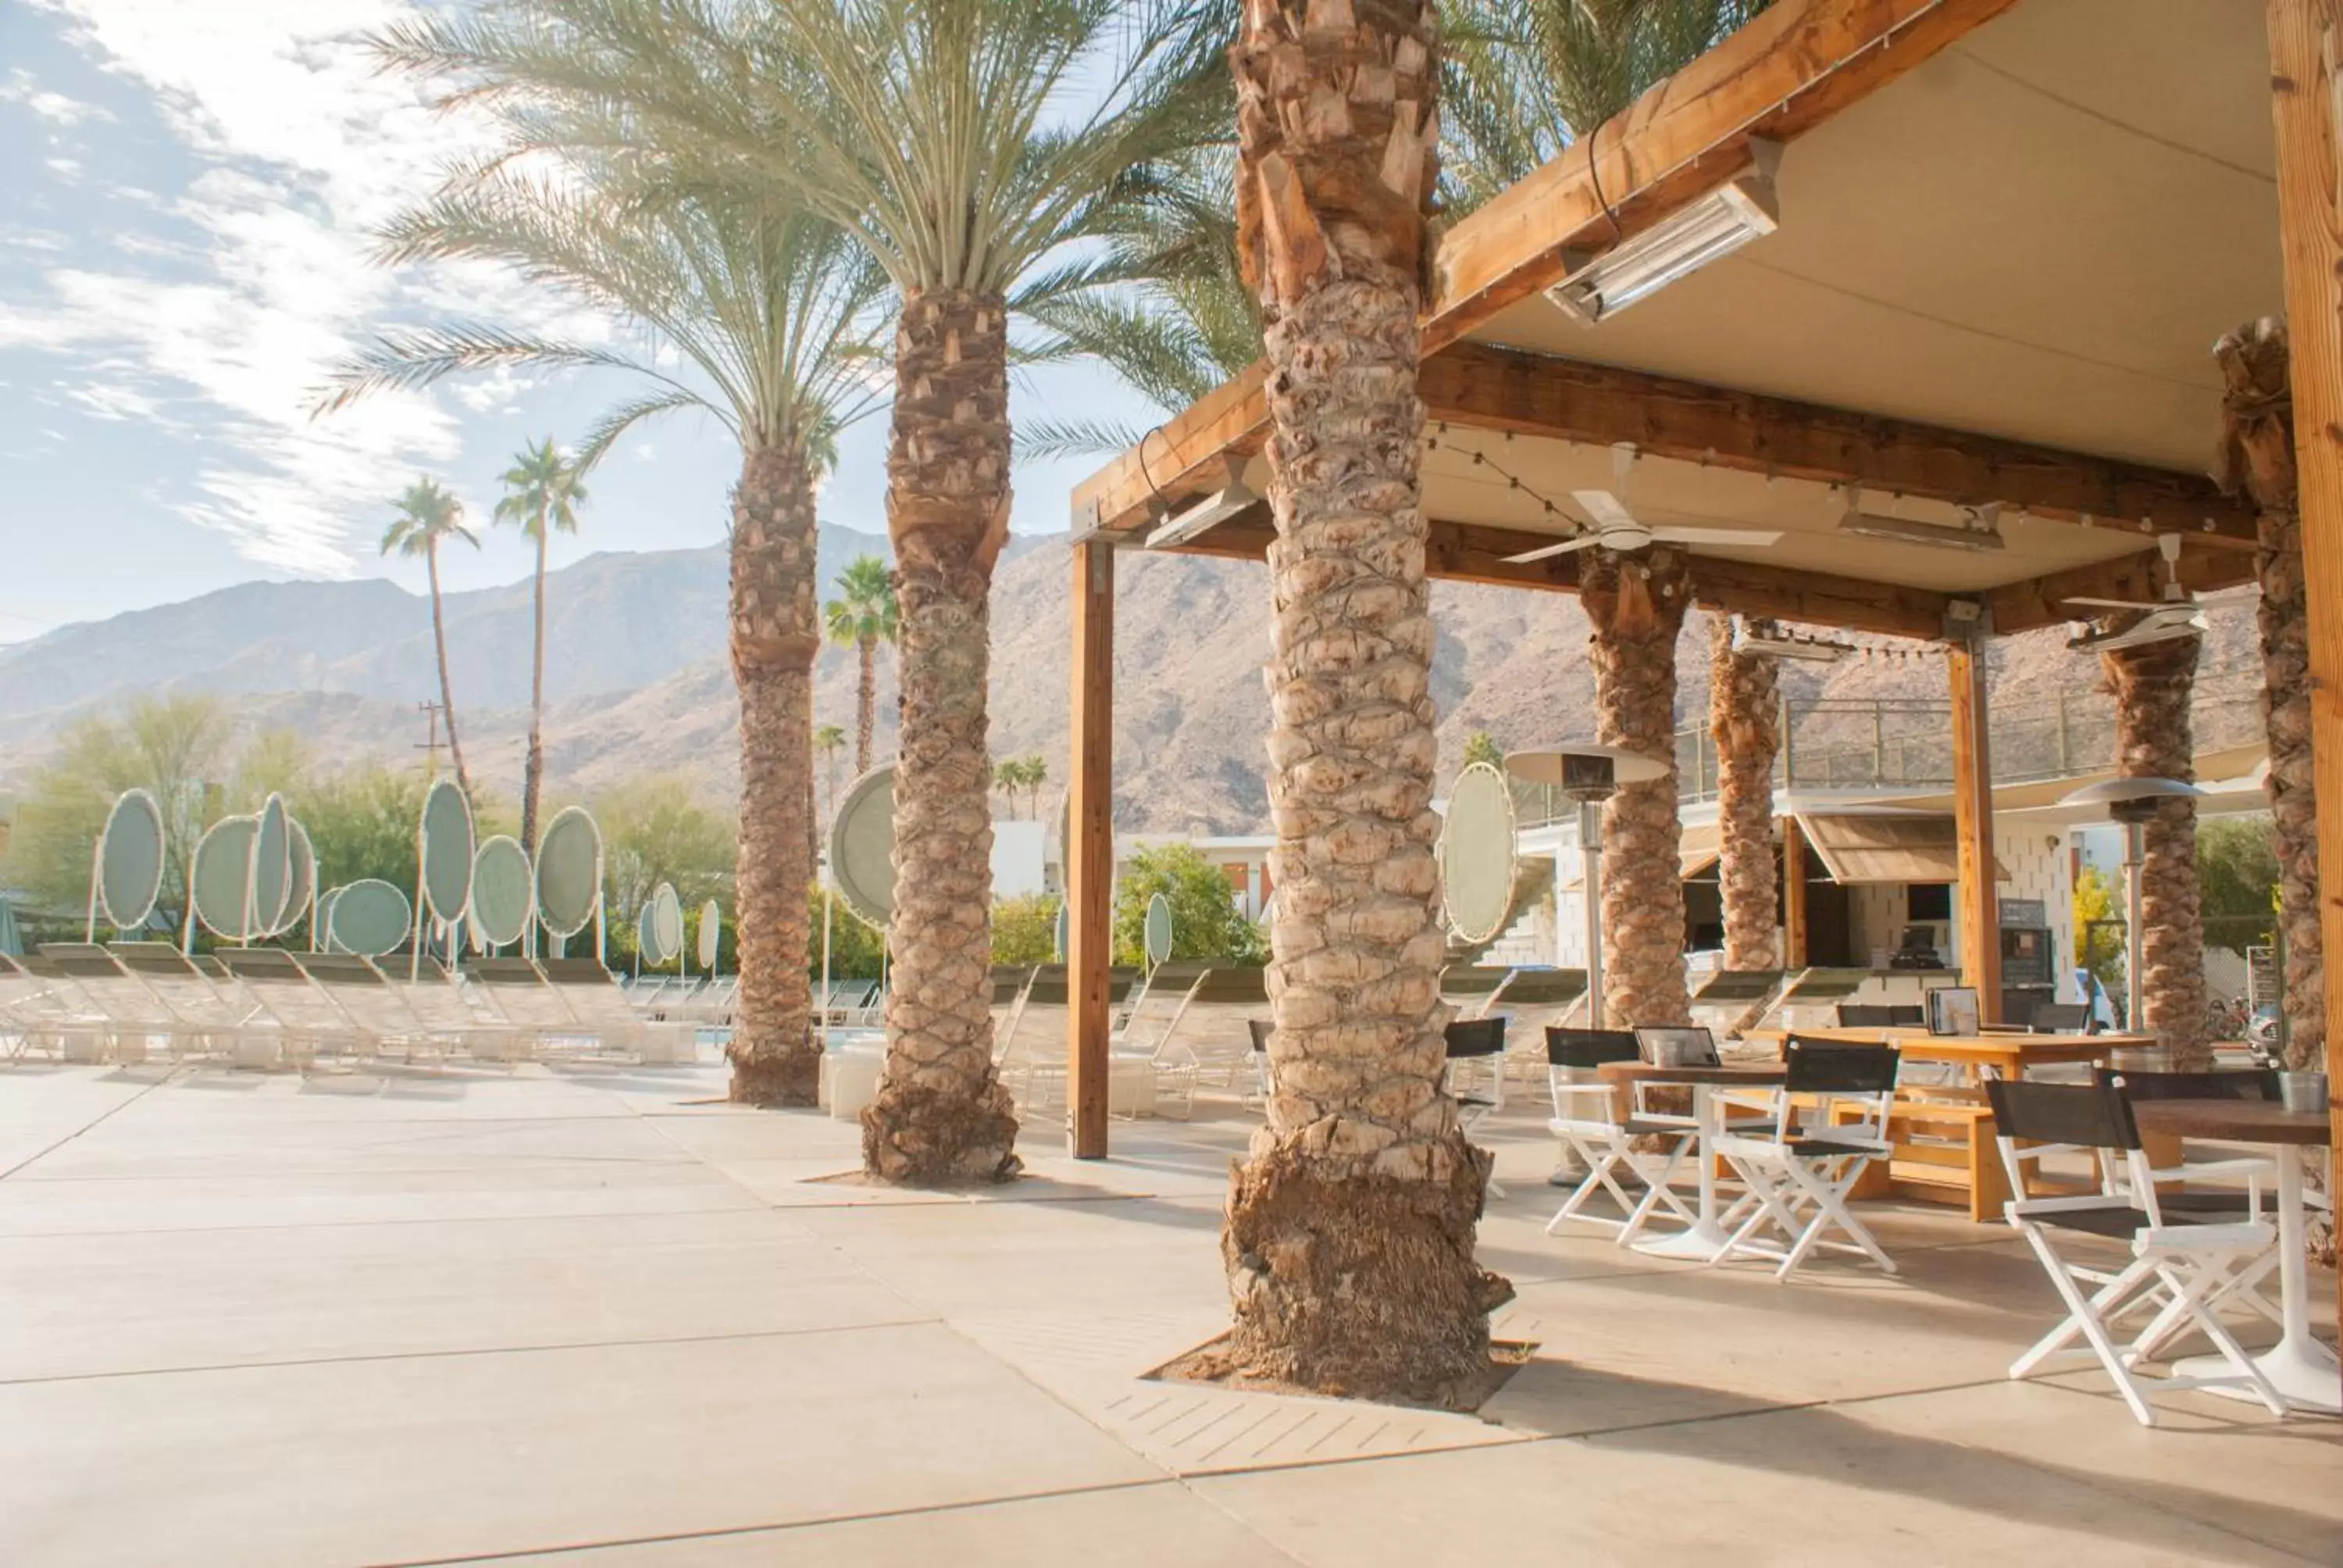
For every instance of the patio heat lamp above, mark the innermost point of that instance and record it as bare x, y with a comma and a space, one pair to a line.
2133, 803
1588, 775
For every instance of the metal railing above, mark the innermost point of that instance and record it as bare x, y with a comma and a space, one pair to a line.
1840, 743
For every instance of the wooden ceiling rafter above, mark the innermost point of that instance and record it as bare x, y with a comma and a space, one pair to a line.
1524, 393
1476, 553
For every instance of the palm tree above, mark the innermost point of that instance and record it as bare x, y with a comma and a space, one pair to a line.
1636, 602
829, 741
863, 616
757, 312
1034, 773
945, 136
2152, 685
1006, 774
1744, 720
426, 515
542, 494
1349, 1238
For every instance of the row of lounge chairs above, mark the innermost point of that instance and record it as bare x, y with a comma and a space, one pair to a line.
702, 1000
260, 1006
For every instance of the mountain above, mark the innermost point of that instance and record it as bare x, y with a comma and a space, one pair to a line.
638, 681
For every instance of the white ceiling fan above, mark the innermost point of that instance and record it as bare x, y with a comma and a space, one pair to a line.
1617, 528
2176, 614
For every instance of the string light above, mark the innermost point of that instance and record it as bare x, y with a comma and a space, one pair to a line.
1482, 460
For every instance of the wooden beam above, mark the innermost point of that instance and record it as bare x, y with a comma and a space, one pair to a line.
1979, 896
2023, 606
1798, 63
1543, 395
1173, 461
1793, 893
1476, 552
1090, 849
2306, 38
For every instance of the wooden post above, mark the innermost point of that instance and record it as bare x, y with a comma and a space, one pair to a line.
2306, 48
1089, 847
1793, 894
1980, 908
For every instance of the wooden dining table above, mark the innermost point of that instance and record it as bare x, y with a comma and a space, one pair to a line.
1707, 1236
2305, 1372
2002, 1055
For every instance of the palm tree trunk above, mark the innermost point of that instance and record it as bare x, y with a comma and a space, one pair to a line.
2258, 456
1637, 601
1348, 1243
446, 691
1744, 720
866, 703
775, 637
2151, 687
941, 1115
532, 774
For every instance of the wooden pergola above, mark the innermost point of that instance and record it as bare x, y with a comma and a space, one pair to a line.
2010, 232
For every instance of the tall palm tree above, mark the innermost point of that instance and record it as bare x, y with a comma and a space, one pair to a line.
1745, 711
863, 616
428, 516
951, 138
1036, 773
542, 494
2152, 685
749, 308
829, 741
1349, 1242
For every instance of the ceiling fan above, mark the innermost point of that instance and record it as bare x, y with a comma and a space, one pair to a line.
1615, 527
2176, 614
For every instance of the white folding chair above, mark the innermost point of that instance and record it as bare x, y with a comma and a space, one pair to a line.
2176, 1268
1586, 1120
1800, 1168
2201, 1206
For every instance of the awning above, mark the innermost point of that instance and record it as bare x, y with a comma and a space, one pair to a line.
1881, 847
1699, 848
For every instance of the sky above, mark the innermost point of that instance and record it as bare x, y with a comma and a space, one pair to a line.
189, 191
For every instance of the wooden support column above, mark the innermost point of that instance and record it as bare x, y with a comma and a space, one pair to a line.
1089, 847
1793, 893
2306, 58
1980, 906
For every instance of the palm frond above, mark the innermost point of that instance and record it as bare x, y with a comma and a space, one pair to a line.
1046, 438
604, 432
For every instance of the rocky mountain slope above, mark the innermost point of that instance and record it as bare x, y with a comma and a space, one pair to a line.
638, 680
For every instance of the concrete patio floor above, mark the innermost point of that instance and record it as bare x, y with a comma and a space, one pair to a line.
585, 1316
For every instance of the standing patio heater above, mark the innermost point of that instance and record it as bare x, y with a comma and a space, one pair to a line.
1588, 775
2132, 802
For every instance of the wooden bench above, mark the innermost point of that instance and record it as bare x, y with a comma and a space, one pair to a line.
1946, 1152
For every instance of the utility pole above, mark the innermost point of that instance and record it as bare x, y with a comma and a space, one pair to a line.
431, 711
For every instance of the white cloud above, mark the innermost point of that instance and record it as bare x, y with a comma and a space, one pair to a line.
303, 147
18, 88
